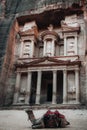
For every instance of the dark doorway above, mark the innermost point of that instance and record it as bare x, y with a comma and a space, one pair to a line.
46, 87
33, 88
49, 92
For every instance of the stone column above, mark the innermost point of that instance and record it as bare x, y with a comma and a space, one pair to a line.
65, 96
28, 89
77, 86
38, 87
32, 48
65, 47
17, 87
54, 87
21, 49
76, 45
53, 49
44, 50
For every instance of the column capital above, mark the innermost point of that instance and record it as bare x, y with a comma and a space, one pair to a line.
29, 72
39, 71
65, 36
76, 36
77, 69
54, 71
65, 70
18, 72
44, 40
21, 40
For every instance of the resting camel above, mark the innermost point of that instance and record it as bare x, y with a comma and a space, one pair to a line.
49, 120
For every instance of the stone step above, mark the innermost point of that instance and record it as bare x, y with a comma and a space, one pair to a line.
45, 106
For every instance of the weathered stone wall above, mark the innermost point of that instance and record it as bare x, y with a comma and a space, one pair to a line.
2, 9
18, 6
10, 83
4, 31
7, 67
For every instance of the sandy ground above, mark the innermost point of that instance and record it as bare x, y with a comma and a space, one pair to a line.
18, 120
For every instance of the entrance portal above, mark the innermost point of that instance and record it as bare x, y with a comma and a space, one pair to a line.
49, 92
47, 87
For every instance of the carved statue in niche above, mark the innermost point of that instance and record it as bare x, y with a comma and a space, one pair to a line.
50, 28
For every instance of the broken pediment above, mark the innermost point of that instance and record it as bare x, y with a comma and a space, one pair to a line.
70, 23
29, 28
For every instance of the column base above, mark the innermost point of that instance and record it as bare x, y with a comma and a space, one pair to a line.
37, 102
20, 104
54, 103
65, 103
14, 104
71, 103
26, 103
77, 102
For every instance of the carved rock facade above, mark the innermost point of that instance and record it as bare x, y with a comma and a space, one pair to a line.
46, 53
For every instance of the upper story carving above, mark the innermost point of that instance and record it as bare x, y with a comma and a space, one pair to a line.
51, 42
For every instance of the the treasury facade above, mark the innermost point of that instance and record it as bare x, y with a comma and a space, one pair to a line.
46, 55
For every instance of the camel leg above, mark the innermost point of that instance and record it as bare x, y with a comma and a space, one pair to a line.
30, 114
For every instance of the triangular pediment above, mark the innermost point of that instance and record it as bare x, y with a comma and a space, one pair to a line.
46, 61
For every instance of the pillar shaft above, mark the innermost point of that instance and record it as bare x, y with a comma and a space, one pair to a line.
65, 47
76, 45
17, 87
65, 87
54, 87
38, 87
32, 49
44, 50
77, 85
53, 49
21, 49
28, 89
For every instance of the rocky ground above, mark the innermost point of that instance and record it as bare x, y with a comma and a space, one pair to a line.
18, 120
